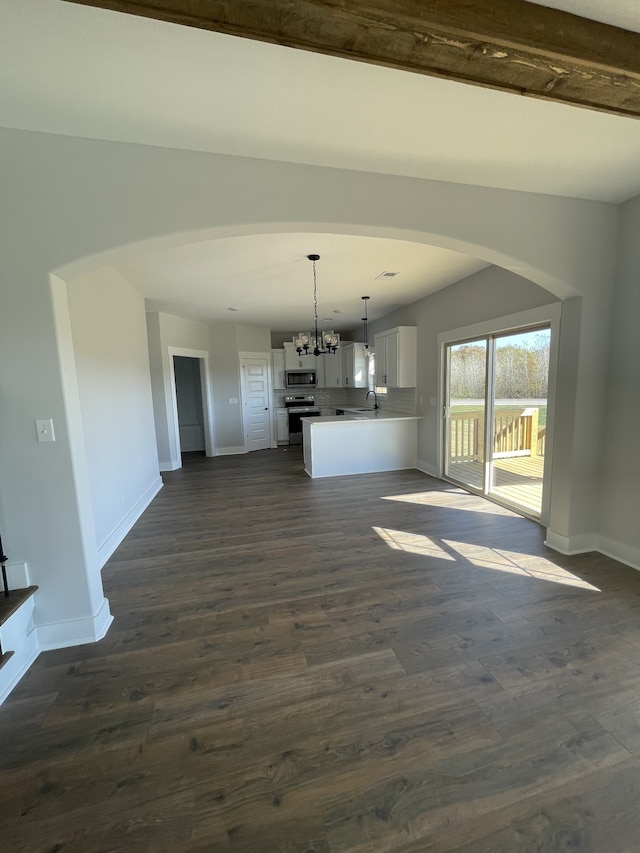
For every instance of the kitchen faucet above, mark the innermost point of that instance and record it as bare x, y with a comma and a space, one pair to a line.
375, 398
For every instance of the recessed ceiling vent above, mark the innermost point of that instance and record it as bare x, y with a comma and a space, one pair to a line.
386, 274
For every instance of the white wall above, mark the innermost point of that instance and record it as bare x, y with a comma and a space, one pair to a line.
112, 364
70, 206
253, 338
620, 473
225, 379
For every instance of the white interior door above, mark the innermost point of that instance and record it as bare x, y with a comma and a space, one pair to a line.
256, 402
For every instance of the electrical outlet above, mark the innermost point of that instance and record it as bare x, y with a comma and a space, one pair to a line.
44, 430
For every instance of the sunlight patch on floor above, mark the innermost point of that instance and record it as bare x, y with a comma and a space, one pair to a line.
517, 563
497, 560
453, 498
412, 543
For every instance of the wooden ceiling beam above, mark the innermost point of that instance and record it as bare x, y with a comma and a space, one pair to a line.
510, 45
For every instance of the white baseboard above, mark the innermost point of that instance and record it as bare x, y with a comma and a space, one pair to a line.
570, 545
106, 549
169, 466
229, 451
627, 554
582, 544
75, 632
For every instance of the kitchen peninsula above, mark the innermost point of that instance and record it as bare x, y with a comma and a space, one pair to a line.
359, 442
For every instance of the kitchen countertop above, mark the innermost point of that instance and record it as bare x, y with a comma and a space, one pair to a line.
359, 415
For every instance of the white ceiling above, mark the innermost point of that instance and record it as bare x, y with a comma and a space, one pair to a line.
269, 278
79, 71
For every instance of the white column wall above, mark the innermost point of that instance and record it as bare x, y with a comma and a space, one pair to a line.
112, 366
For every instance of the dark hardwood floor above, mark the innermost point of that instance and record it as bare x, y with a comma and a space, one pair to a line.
371, 663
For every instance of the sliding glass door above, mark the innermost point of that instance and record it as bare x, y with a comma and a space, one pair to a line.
465, 408
495, 415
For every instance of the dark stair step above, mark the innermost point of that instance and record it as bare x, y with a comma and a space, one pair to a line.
17, 597
8, 606
4, 658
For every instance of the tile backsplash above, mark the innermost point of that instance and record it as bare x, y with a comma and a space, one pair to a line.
397, 400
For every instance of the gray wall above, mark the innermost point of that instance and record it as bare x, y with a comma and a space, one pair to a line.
620, 473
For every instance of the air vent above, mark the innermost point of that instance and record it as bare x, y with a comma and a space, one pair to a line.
386, 274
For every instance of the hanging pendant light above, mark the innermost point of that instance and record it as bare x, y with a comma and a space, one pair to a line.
365, 324
317, 343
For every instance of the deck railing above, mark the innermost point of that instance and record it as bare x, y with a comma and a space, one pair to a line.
516, 433
542, 440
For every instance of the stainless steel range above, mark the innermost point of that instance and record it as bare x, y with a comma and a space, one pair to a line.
299, 406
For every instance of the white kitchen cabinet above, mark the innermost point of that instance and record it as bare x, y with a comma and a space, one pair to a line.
331, 373
320, 372
277, 356
354, 365
396, 357
282, 426
293, 361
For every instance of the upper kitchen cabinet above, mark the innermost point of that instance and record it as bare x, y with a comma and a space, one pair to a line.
293, 361
354, 365
396, 355
330, 370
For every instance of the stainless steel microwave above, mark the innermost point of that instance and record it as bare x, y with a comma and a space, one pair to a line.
300, 378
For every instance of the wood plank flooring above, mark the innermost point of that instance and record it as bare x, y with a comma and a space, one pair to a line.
373, 663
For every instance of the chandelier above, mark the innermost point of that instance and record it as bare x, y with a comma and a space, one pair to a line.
317, 343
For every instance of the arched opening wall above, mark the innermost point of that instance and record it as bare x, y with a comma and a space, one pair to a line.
69, 205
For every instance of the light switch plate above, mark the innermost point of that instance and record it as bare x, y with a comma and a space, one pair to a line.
44, 430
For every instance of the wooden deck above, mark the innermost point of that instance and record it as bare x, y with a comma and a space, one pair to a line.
517, 480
